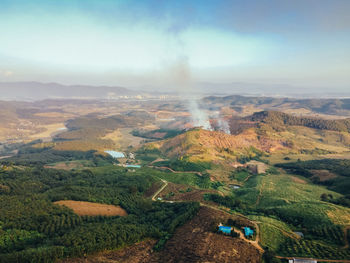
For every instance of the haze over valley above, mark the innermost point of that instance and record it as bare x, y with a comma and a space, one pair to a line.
174, 131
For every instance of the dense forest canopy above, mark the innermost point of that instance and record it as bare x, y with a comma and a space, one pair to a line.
33, 229
280, 119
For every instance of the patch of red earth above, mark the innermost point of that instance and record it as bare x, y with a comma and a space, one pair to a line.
92, 209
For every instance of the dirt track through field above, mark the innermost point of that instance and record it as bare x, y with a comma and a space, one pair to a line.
260, 194
160, 189
173, 171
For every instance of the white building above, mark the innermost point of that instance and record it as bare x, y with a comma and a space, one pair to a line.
299, 260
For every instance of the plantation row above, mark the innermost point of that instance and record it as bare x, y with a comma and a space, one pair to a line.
307, 248
333, 234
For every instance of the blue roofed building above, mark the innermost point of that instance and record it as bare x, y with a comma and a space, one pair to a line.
225, 229
248, 232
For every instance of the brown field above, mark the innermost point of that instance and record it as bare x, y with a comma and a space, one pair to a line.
66, 165
123, 138
48, 130
92, 209
323, 175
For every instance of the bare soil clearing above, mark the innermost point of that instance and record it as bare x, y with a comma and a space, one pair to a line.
92, 209
195, 242
66, 166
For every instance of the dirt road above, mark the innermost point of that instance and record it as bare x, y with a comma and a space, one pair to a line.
160, 189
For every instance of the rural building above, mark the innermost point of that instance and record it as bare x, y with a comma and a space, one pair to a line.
256, 167
298, 260
300, 234
225, 229
248, 232
115, 154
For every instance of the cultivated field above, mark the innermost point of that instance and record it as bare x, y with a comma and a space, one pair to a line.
92, 209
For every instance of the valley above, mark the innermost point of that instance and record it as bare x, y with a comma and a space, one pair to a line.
140, 181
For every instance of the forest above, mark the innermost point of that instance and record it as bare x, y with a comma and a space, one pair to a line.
33, 229
278, 120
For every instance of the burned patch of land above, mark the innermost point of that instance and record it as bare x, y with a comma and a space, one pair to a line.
196, 242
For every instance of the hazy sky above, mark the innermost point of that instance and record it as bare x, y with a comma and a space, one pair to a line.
136, 43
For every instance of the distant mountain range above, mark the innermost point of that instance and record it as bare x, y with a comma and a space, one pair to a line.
331, 106
274, 90
39, 91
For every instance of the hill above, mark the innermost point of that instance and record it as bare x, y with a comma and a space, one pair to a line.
40, 91
313, 106
204, 145
262, 133
278, 120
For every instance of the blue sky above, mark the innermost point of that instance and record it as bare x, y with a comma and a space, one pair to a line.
163, 43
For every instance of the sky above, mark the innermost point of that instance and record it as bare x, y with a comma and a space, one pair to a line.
158, 43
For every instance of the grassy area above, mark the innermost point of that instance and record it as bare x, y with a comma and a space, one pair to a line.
183, 178
287, 189
240, 175
273, 232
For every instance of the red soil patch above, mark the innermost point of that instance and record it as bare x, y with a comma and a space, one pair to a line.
92, 209
298, 180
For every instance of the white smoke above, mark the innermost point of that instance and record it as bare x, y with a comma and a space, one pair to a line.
223, 126
199, 117
219, 122
180, 75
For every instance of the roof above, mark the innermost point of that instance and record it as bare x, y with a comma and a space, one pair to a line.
225, 229
248, 231
115, 154
299, 260
299, 234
